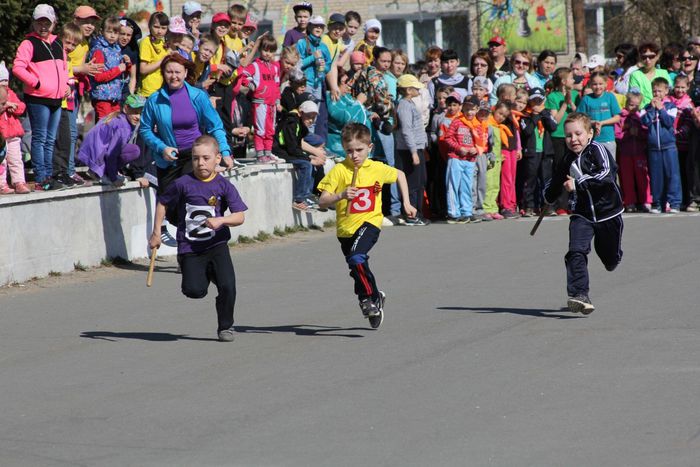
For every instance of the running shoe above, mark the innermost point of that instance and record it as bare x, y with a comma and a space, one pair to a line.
166, 238
580, 304
226, 335
376, 320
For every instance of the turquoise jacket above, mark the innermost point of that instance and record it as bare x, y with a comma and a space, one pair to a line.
341, 112
156, 127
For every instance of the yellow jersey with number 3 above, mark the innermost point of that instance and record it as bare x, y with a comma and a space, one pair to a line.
367, 205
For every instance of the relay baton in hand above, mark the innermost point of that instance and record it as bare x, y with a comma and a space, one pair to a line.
352, 185
149, 277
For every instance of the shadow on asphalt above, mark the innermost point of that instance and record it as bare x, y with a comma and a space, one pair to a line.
303, 330
144, 336
514, 311
129, 266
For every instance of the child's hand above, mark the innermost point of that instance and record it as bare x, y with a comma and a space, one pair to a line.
214, 223
410, 210
143, 182
569, 184
122, 67
415, 159
94, 68
463, 151
596, 127
154, 241
126, 59
350, 193
518, 155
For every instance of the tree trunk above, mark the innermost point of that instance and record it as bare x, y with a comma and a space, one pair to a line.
579, 14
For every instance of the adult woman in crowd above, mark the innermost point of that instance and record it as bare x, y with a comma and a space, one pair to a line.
642, 78
689, 63
171, 122
521, 62
481, 64
399, 61
432, 64
670, 59
343, 110
627, 58
546, 64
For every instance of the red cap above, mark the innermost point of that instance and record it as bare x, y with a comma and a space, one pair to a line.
220, 18
497, 40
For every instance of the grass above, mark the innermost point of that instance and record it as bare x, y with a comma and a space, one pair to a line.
262, 236
245, 240
279, 232
79, 266
54, 274
329, 223
106, 262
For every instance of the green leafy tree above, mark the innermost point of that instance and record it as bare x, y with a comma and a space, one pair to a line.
16, 19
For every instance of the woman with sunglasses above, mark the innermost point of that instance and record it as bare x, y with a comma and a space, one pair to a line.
626, 58
689, 63
480, 64
520, 77
670, 59
642, 78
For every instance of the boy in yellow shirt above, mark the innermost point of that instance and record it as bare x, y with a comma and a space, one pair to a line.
359, 224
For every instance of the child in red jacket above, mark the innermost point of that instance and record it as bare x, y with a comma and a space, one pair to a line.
462, 143
11, 130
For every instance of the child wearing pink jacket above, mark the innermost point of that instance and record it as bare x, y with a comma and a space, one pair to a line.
40, 64
631, 137
11, 129
263, 78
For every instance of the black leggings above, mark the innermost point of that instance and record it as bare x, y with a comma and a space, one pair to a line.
212, 265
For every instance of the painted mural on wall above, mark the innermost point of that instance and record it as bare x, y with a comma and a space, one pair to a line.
525, 24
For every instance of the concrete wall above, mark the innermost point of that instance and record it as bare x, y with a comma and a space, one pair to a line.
45, 232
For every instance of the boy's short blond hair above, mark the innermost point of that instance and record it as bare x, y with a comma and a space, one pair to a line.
72, 31
291, 54
207, 140
353, 131
579, 117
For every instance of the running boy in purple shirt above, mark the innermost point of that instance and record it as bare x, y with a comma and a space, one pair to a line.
201, 198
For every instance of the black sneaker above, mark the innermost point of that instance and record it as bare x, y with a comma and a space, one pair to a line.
376, 320
53, 185
508, 214
475, 219
463, 220
580, 304
166, 238
65, 180
453, 220
368, 307
528, 213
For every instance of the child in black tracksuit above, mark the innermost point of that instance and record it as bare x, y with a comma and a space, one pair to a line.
536, 128
589, 172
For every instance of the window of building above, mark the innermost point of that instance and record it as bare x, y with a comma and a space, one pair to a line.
596, 17
447, 32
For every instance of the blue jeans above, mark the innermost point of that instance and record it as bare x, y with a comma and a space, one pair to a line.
44, 121
387, 142
665, 178
460, 176
73, 136
305, 180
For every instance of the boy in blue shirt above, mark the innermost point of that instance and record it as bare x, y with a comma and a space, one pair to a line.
664, 170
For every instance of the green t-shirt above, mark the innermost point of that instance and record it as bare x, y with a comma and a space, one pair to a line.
553, 103
539, 141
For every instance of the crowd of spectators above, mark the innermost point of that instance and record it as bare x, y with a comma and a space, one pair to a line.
478, 141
